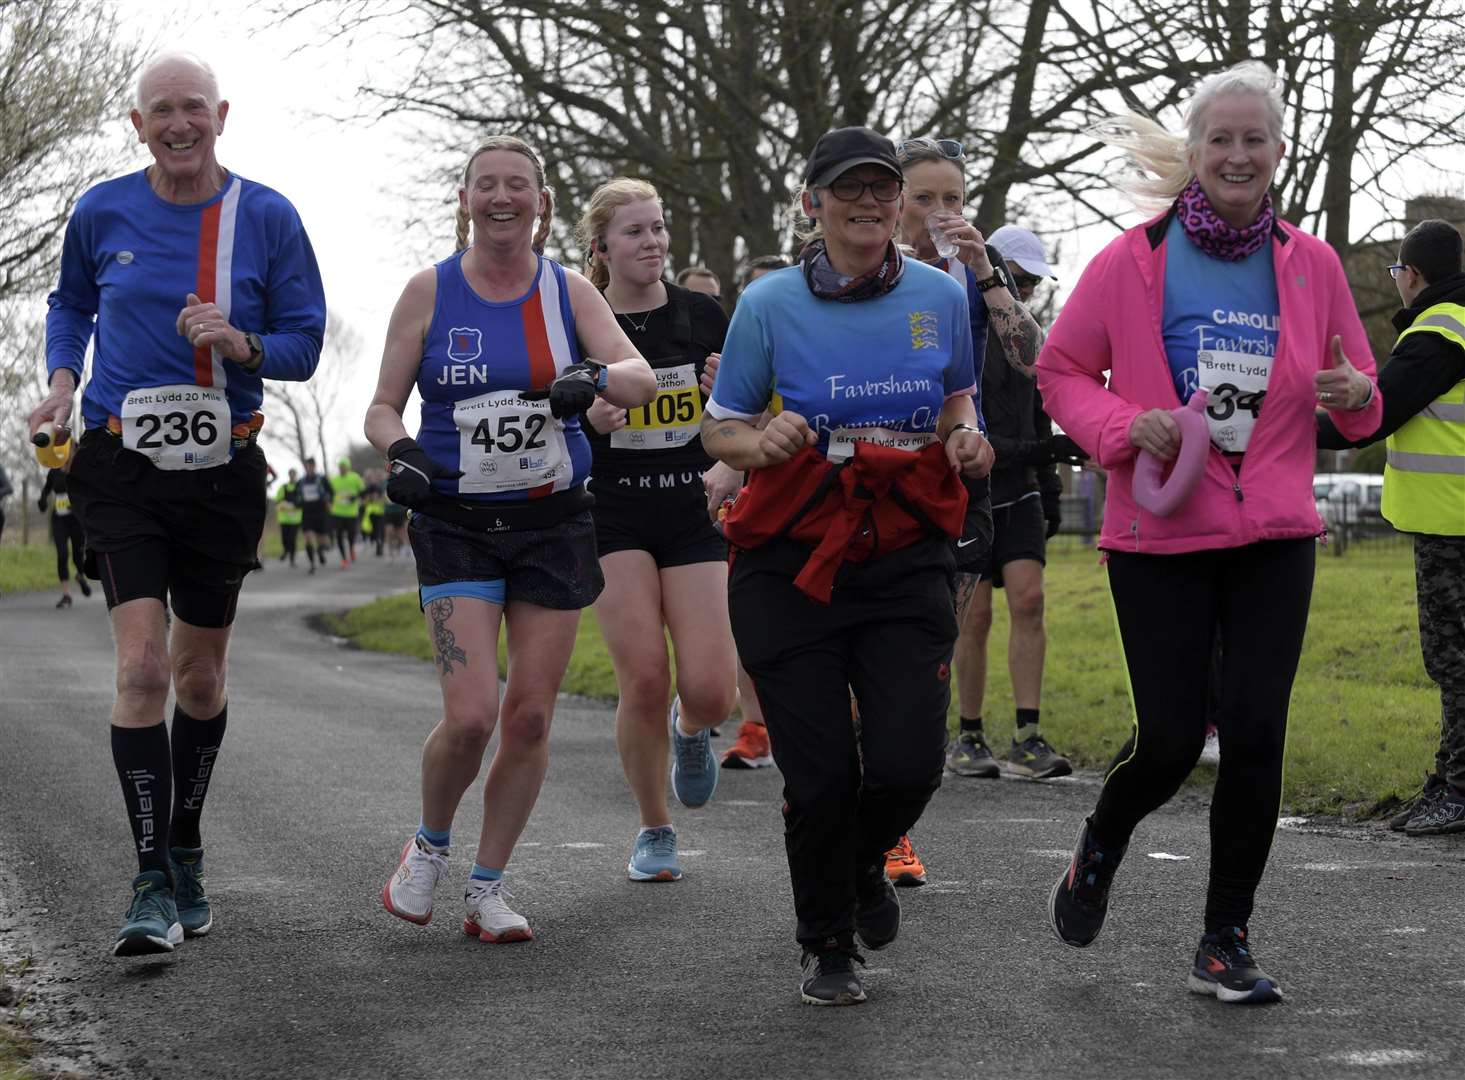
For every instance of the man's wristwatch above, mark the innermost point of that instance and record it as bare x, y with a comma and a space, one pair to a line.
992, 282
256, 353
962, 427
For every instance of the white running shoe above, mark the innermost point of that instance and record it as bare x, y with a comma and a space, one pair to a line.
408, 893
489, 916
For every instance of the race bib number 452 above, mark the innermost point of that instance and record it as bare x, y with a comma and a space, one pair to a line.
508, 444
178, 427
672, 418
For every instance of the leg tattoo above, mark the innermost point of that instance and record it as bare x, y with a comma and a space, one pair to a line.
442, 638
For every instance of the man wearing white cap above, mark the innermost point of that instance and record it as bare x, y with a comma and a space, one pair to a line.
1025, 513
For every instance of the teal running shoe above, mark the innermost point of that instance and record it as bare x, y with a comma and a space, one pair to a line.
152, 924
654, 857
693, 764
193, 903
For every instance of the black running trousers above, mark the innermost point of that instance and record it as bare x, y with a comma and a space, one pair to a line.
1169, 608
851, 790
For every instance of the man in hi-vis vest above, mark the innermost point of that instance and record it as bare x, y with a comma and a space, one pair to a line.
1423, 386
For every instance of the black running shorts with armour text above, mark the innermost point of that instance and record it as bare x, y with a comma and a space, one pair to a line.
662, 514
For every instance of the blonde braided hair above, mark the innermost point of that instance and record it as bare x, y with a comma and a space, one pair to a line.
518, 146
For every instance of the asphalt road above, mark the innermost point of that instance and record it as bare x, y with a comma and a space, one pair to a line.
305, 975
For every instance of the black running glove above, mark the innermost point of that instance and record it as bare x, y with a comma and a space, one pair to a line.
1052, 514
412, 473
1057, 448
572, 392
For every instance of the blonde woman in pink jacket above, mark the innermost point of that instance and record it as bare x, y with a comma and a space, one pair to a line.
1213, 293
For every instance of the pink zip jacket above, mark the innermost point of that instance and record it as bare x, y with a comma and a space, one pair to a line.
1112, 323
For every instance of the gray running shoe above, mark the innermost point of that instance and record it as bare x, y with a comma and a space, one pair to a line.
152, 923
971, 756
693, 764
1036, 760
830, 977
194, 912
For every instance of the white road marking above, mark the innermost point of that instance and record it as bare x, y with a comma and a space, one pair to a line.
1165, 856
580, 844
1407, 930
1378, 1057
1050, 853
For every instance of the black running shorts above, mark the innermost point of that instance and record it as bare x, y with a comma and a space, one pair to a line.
186, 538
1018, 532
670, 524
553, 568
316, 520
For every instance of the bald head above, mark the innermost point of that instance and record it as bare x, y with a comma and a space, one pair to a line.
171, 69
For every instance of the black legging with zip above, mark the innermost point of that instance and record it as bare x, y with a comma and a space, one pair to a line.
1169, 608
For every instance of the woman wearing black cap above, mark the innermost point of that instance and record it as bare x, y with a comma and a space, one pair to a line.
842, 575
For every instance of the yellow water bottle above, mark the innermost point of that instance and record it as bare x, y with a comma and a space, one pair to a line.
53, 448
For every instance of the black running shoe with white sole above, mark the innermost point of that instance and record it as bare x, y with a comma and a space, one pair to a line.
1225, 968
1079, 902
830, 977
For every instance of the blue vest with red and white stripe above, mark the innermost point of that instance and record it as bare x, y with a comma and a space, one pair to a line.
476, 348
128, 263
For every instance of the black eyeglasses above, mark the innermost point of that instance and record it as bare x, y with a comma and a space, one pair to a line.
947, 148
848, 189
1026, 281
1395, 269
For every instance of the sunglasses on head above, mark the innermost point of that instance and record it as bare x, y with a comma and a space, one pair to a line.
947, 148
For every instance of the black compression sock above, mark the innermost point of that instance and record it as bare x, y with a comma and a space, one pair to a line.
341, 543
1027, 723
145, 770
972, 725
195, 748
310, 554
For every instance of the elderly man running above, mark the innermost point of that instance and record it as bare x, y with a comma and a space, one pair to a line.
198, 285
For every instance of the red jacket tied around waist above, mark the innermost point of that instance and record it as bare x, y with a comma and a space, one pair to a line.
880, 500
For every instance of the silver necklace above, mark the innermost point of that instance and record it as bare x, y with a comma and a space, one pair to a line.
641, 326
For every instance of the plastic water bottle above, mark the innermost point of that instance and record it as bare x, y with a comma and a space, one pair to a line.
51, 452
945, 246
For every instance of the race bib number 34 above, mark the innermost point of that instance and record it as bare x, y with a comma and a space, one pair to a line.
672, 418
178, 427
1236, 386
508, 444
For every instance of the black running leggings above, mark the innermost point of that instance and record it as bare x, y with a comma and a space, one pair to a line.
1169, 608
67, 535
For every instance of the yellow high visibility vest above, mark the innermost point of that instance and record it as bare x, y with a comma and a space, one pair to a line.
1424, 478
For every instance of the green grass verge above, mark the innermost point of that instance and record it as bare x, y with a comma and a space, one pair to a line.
28, 567
1364, 720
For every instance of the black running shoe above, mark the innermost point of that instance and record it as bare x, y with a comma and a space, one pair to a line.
1446, 814
64, 602
1225, 967
1434, 787
1036, 760
830, 977
86, 590
1080, 900
877, 909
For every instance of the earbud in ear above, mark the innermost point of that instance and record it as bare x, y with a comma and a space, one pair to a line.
600, 246
814, 199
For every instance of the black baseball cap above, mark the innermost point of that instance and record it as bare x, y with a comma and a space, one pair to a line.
844, 148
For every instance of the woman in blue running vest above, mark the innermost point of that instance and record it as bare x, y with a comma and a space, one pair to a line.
498, 340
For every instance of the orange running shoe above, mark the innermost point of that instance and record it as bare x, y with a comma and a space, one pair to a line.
750, 750
903, 866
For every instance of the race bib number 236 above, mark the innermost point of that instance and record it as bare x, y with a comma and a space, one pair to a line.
178, 427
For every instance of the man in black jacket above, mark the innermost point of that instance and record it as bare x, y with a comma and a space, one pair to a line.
1423, 386
1025, 513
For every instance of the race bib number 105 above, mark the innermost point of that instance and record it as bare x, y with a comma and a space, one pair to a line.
672, 418
178, 427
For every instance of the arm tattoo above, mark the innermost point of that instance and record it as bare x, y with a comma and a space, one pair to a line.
443, 641
1020, 336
